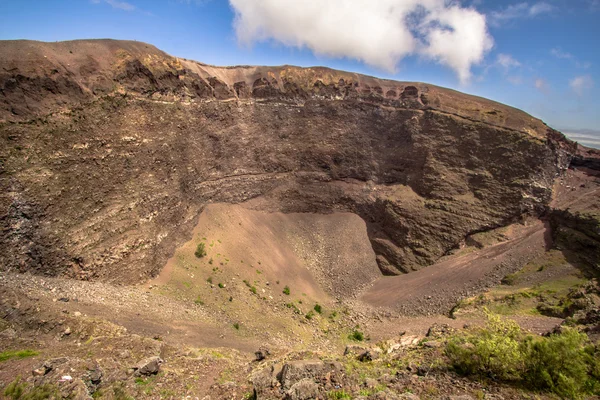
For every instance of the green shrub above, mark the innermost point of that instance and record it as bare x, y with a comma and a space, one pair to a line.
565, 363
318, 308
286, 290
253, 289
200, 250
236, 326
199, 301
357, 336
309, 315
559, 363
493, 350
221, 285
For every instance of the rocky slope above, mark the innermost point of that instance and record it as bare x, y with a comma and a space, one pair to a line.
110, 150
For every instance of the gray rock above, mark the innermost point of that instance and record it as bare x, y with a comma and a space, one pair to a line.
387, 395
370, 383
9, 333
440, 330
95, 375
148, 366
354, 350
305, 389
370, 354
432, 344
263, 381
408, 396
295, 371
262, 353
53, 363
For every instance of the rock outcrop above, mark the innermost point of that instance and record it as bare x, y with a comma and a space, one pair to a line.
109, 151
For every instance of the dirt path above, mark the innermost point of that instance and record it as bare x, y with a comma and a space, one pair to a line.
435, 289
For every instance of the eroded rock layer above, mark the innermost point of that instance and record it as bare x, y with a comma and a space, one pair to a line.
110, 150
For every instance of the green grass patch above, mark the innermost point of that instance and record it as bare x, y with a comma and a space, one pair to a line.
18, 354
338, 395
18, 390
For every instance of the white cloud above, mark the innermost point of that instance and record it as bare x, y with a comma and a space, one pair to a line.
507, 61
515, 80
379, 33
581, 84
542, 85
520, 10
121, 5
558, 53
540, 8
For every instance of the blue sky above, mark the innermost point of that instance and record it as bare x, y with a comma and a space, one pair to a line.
540, 56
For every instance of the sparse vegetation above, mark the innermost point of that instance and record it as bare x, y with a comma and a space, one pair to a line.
293, 307
253, 289
563, 363
309, 315
221, 286
19, 354
509, 279
286, 290
18, 390
338, 394
200, 250
236, 326
199, 301
209, 279
318, 308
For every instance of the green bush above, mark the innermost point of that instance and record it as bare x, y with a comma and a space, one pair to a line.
200, 250
559, 363
356, 335
318, 308
564, 363
286, 290
494, 351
